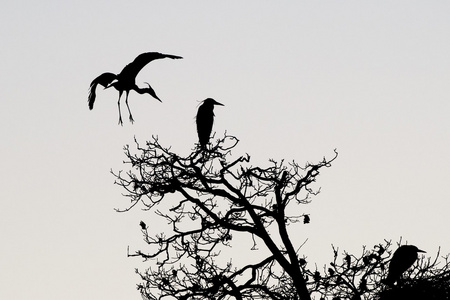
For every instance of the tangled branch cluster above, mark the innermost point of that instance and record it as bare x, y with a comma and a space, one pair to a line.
361, 276
215, 197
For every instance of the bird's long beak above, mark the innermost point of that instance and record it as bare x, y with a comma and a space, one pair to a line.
218, 103
418, 250
152, 92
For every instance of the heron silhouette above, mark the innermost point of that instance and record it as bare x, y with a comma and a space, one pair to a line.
403, 258
125, 81
205, 120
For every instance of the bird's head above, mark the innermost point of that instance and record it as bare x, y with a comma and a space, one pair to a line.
409, 249
418, 250
211, 102
149, 90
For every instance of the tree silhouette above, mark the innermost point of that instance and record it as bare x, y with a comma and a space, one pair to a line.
213, 202
362, 276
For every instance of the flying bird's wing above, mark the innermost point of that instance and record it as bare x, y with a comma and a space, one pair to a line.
132, 69
104, 80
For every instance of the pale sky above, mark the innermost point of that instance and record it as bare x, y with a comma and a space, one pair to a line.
298, 79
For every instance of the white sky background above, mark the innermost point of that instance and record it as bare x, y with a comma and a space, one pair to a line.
298, 79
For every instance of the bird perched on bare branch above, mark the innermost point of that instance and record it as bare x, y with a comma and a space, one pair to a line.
125, 81
403, 258
205, 120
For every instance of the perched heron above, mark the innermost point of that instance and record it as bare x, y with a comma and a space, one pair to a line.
125, 81
403, 258
205, 120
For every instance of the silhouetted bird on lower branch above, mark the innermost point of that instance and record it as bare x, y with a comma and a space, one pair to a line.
205, 120
125, 80
403, 258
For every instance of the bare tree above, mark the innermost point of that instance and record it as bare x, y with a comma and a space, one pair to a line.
363, 276
209, 199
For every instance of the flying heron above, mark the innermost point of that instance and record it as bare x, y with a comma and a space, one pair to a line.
205, 120
125, 81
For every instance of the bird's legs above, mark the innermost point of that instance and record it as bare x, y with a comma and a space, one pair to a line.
118, 105
129, 111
